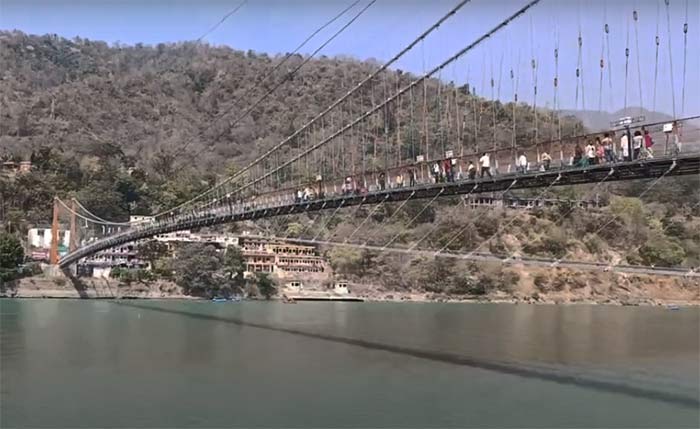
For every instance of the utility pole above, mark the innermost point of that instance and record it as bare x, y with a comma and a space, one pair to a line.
53, 255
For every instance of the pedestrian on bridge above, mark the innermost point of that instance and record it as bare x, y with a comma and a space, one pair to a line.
521, 165
676, 139
382, 181
590, 154
625, 147
637, 143
599, 151
436, 172
608, 148
399, 180
578, 160
411, 177
546, 160
471, 171
485, 162
447, 169
647, 152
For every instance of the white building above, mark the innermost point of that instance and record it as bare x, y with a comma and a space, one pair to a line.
40, 237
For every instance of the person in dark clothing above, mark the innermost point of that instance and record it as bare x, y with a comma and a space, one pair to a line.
447, 166
382, 181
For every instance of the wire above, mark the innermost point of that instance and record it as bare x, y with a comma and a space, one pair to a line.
309, 124
614, 218
492, 257
656, 57
100, 222
376, 108
685, 56
289, 75
221, 21
670, 57
97, 217
457, 234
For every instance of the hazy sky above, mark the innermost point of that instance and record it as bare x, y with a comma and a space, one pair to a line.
277, 26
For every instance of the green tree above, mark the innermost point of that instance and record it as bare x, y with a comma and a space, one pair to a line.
234, 266
197, 269
294, 229
346, 260
11, 256
266, 285
662, 251
152, 251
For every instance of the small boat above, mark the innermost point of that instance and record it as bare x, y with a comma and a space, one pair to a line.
219, 300
673, 307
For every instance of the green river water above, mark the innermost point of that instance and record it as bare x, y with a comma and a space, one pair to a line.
68, 363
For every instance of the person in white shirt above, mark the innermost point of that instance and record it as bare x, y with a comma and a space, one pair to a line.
436, 172
522, 163
471, 171
676, 139
625, 147
637, 142
485, 162
590, 153
608, 148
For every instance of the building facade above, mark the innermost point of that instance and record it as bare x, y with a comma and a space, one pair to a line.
283, 259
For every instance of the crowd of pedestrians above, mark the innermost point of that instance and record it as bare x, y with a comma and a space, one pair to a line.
596, 150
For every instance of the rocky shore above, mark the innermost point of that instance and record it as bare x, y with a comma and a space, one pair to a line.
60, 287
630, 290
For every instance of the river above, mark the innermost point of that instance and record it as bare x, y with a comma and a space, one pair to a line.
68, 363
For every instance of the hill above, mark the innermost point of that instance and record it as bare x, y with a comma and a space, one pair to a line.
149, 100
107, 123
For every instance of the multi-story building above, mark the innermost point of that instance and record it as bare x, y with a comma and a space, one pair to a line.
284, 259
39, 242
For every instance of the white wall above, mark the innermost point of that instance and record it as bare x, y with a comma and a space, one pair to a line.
41, 237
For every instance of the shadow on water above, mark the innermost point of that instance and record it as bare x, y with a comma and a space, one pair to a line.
539, 373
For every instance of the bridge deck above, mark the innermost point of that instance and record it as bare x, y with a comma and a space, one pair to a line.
644, 169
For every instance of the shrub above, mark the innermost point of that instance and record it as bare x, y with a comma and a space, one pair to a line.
540, 280
661, 250
593, 243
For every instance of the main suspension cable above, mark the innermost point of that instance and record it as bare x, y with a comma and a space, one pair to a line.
221, 21
376, 108
309, 124
289, 75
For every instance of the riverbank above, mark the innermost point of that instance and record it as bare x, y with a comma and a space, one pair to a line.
563, 286
529, 286
618, 290
90, 288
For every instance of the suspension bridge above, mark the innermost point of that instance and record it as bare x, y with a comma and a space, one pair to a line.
397, 137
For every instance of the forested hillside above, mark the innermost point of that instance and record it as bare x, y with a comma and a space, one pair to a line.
108, 124
93, 112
